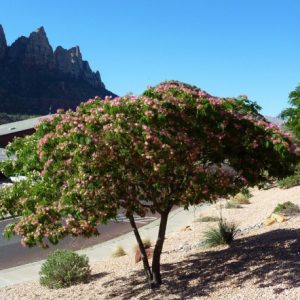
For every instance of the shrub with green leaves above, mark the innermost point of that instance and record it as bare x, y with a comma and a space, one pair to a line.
64, 268
246, 192
287, 208
222, 235
292, 180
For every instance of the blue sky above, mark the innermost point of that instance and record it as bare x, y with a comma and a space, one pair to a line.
226, 47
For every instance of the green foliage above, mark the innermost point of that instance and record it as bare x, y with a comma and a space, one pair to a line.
246, 192
208, 219
292, 114
118, 252
223, 234
175, 145
287, 208
291, 181
64, 268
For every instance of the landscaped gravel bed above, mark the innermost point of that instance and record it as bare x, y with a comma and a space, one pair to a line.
262, 263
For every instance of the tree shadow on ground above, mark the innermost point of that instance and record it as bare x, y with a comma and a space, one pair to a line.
96, 276
270, 259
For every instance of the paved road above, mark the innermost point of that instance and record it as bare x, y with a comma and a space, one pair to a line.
13, 254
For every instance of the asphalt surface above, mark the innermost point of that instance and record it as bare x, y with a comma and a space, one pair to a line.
13, 254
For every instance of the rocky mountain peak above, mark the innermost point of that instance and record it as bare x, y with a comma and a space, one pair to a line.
36, 50
34, 78
69, 61
3, 44
41, 30
39, 50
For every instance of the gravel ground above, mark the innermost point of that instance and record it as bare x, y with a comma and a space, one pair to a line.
262, 263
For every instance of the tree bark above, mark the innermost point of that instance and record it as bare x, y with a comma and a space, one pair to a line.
143, 251
156, 276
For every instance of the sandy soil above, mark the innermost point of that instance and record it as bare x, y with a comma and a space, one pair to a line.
262, 263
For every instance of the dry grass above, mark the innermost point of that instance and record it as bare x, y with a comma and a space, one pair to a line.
118, 251
241, 198
147, 244
208, 219
231, 204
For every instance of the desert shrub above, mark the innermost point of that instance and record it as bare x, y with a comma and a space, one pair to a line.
246, 192
64, 268
290, 181
223, 234
147, 244
241, 198
287, 208
119, 251
232, 204
208, 219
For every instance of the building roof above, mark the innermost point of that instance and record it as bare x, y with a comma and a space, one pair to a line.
20, 125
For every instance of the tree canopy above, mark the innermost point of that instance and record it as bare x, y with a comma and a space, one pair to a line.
173, 145
292, 114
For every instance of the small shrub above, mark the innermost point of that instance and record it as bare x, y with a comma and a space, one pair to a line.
287, 208
246, 192
232, 204
149, 252
147, 244
290, 181
119, 251
64, 268
208, 219
222, 235
241, 198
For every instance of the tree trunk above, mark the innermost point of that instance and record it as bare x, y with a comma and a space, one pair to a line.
156, 276
143, 251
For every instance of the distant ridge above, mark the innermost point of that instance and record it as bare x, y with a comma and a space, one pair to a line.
34, 79
275, 120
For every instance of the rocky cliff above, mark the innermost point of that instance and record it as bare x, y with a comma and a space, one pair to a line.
35, 79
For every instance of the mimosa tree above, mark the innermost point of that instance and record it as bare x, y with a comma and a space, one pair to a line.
173, 146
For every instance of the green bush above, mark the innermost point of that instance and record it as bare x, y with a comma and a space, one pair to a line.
292, 180
208, 219
222, 235
287, 208
64, 268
